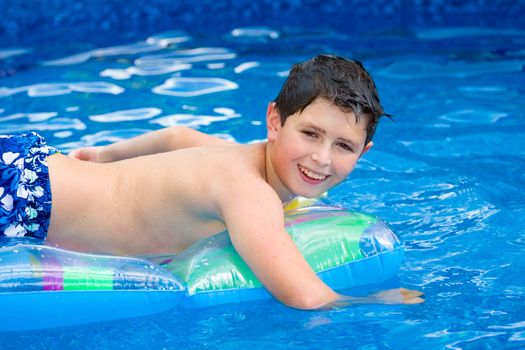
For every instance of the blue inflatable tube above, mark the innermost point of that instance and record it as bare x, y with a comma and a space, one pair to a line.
43, 287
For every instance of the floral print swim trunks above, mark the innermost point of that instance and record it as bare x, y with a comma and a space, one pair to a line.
25, 191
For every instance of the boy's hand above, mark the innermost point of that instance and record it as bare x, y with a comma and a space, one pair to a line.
391, 296
90, 154
398, 296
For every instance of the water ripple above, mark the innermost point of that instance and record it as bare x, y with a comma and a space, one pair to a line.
245, 66
432, 230
200, 54
189, 87
379, 160
466, 32
31, 117
55, 89
473, 116
53, 124
153, 68
127, 115
255, 33
457, 340
102, 137
166, 39
6, 53
154, 43
194, 120
514, 325
411, 69
483, 144
518, 336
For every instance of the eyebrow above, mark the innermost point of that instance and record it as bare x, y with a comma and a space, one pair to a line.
323, 131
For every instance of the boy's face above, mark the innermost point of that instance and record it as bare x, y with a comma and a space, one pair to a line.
315, 149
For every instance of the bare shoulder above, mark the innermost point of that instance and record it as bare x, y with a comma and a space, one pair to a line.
241, 173
251, 193
247, 202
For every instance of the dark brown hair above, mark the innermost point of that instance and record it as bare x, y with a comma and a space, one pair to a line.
344, 82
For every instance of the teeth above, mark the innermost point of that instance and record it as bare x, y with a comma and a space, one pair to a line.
311, 174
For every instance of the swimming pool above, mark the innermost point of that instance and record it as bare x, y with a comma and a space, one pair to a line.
447, 173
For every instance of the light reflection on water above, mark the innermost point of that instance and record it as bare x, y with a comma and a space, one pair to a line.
447, 173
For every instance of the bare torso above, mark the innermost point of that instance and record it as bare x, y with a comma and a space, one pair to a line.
154, 204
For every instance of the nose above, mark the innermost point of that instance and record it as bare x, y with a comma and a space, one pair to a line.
322, 156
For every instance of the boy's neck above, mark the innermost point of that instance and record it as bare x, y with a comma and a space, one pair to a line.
273, 179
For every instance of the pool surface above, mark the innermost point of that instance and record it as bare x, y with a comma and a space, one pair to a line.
447, 172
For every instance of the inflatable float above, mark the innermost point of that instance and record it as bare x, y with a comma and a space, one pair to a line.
43, 287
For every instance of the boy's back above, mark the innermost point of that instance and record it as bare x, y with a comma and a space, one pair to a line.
159, 203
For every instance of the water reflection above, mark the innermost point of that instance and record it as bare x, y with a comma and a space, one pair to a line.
55, 89
189, 87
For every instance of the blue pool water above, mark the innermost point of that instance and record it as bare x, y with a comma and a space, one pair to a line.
447, 172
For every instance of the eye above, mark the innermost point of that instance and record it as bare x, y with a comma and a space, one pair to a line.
345, 147
311, 134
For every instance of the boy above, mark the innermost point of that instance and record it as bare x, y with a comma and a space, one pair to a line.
165, 190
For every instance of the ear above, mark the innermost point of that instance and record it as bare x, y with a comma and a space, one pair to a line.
367, 148
273, 121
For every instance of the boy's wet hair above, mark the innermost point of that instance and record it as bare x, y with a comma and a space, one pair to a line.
345, 83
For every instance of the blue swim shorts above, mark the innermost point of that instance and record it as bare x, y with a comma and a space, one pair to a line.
25, 191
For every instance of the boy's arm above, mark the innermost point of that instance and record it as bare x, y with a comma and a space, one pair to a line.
163, 140
256, 228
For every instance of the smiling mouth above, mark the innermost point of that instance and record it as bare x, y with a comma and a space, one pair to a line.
312, 175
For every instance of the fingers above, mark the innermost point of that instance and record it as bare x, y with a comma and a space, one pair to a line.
411, 296
75, 154
399, 296
390, 296
79, 154
87, 154
415, 300
409, 292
